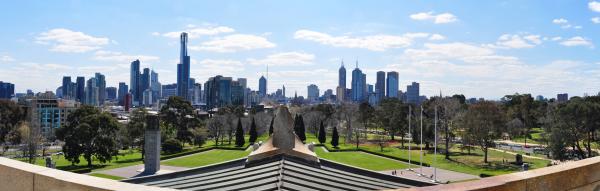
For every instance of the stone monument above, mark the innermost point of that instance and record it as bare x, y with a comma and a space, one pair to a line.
151, 145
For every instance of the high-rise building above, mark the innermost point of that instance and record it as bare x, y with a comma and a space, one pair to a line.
169, 90
101, 83
91, 92
262, 86
134, 82
561, 98
155, 86
80, 90
183, 69
370, 89
380, 86
147, 97
359, 88
340, 94
412, 93
392, 85
49, 113
122, 93
145, 79
222, 91
7, 90
111, 93
312, 92
66, 87
342, 76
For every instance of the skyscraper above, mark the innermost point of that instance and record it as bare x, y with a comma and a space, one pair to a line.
80, 91
412, 93
183, 69
221, 91
380, 86
312, 92
145, 80
7, 90
392, 85
66, 87
135, 82
359, 88
155, 86
101, 83
111, 93
262, 86
91, 92
122, 93
342, 76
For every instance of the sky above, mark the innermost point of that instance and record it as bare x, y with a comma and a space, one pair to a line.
477, 48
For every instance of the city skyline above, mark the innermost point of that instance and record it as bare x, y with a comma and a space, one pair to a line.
425, 43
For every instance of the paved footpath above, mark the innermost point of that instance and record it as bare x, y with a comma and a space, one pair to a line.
443, 176
131, 171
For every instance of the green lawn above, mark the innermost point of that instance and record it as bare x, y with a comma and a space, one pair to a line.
206, 158
536, 137
361, 159
106, 176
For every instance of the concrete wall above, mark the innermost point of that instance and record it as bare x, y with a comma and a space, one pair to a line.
580, 175
16, 175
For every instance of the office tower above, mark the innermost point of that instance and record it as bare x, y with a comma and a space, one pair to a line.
412, 93
147, 97
169, 90
7, 90
561, 98
340, 94
262, 86
342, 76
59, 92
365, 88
145, 80
312, 92
358, 85
392, 85
244, 83
155, 86
237, 92
380, 85
370, 89
101, 83
127, 101
222, 91
91, 92
80, 90
66, 87
183, 69
111, 93
283, 88
134, 82
122, 93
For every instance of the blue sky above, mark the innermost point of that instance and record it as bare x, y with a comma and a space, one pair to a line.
477, 48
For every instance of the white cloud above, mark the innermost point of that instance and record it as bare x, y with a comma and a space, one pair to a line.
560, 21
6, 58
594, 6
197, 32
285, 59
210, 67
577, 41
65, 40
373, 42
121, 57
556, 38
515, 41
595, 20
234, 43
437, 37
437, 19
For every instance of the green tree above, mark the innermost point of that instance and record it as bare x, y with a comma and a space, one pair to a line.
179, 118
271, 126
366, 113
136, 127
299, 128
484, 122
322, 134
335, 138
239, 134
11, 114
253, 133
90, 133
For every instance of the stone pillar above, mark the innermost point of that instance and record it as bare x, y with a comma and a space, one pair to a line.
152, 145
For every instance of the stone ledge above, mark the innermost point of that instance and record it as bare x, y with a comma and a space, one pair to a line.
16, 175
583, 174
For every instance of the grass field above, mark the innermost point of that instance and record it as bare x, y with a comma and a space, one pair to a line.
206, 158
361, 159
106, 176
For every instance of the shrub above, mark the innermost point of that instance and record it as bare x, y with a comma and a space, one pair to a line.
171, 146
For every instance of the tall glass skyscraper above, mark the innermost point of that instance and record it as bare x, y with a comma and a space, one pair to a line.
122, 92
392, 84
412, 93
380, 85
66, 87
262, 86
101, 84
359, 88
135, 82
80, 91
342, 76
183, 69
